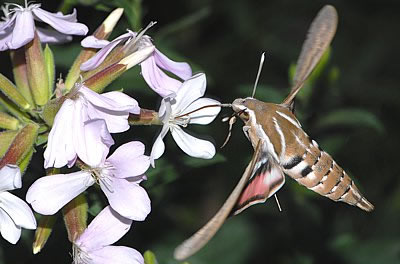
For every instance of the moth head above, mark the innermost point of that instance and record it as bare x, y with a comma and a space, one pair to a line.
241, 107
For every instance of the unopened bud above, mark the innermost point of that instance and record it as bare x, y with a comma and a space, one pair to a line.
37, 73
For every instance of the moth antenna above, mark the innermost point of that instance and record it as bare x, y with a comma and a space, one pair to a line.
277, 202
258, 73
232, 121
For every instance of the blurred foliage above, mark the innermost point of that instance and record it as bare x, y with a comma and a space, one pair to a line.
349, 106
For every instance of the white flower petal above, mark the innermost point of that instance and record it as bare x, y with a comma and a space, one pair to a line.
129, 160
116, 254
18, 210
192, 146
8, 229
49, 194
60, 147
159, 81
93, 145
93, 42
8, 23
61, 23
205, 115
159, 146
23, 31
10, 178
52, 36
101, 55
190, 90
125, 102
127, 198
180, 69
105, 229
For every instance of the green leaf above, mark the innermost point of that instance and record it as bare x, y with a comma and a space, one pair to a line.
351, 117
149, 257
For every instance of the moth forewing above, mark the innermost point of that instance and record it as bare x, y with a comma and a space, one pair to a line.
203, 235
320, 35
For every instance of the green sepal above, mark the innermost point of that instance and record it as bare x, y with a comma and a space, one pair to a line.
102, 79
43, 232
75, 217
102, 32
50, 68
12, 108
24, 163
8, 122
6, 138
50, 110
41, 139
21, 145
20, 74
11, 91
37, 72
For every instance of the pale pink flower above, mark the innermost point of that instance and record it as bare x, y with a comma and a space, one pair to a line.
152, 68
15, 214
18, 27
172, 113
93, 246
118, 176
67, 139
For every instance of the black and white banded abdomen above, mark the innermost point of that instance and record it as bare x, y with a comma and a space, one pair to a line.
316, 170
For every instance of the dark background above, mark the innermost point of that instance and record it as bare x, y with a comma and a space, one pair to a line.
351, 109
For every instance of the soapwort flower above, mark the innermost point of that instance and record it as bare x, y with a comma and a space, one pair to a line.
67, 138
118, 176
152, 67
14, 212
93, 245
18, 27
174, 115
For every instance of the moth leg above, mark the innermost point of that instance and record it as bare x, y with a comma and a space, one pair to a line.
246, 131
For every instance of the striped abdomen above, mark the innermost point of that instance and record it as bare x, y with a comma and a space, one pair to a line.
316, 170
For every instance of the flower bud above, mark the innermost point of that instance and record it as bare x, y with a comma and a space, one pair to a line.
100, 80
43, 232
37, 73
8, 122
21, 145
11, 91
21, 75
102, 32
50, 68
75, 217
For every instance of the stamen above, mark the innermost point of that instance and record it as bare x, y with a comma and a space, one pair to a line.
258, 73
141, 33
79, 256
104, 175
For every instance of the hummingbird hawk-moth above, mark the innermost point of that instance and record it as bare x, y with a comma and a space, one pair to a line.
282, 147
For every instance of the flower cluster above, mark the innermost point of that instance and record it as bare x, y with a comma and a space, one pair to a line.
78, 122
